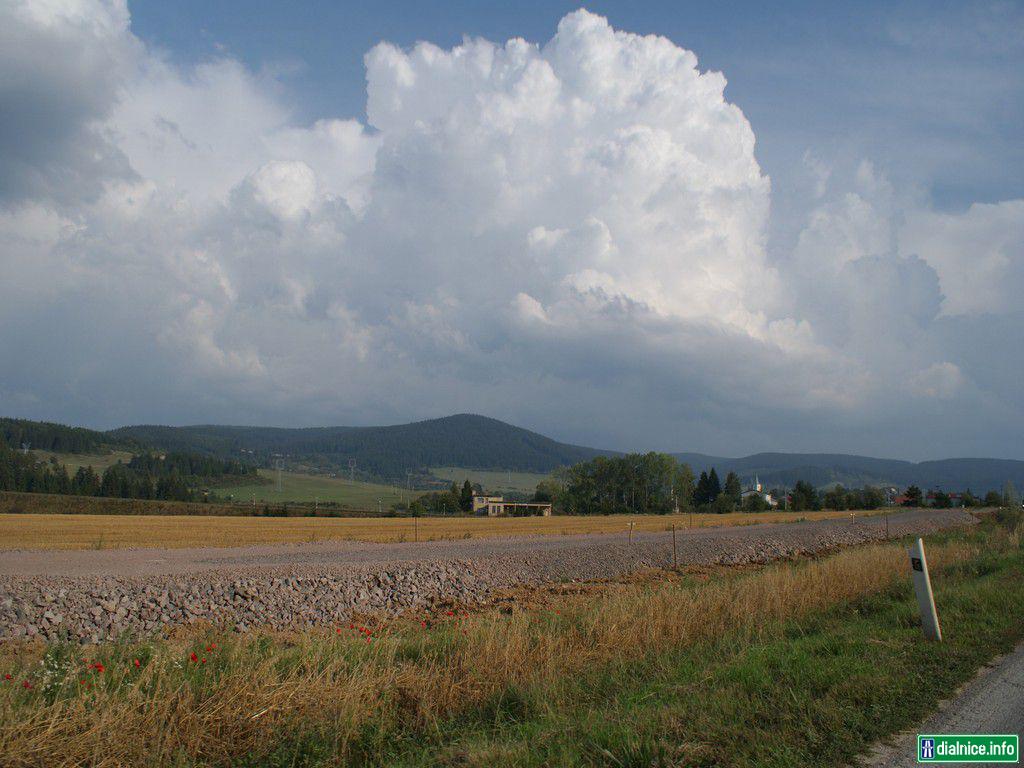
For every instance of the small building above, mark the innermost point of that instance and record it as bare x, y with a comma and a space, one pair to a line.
496, 506
757, 490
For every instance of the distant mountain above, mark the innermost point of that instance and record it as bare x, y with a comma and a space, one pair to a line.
820, 469
478, 442
464, 440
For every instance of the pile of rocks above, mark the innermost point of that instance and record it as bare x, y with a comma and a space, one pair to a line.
97, 608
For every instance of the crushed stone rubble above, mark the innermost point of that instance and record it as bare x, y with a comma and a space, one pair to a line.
103, 607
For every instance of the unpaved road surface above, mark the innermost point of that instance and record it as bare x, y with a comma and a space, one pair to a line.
94, 595
991, 703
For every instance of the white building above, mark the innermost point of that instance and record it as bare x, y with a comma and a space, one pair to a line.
757, 490
496, 506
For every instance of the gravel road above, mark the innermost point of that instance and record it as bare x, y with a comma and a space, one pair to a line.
98, 595
993, 702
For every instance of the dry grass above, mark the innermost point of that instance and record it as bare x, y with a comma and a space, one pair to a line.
48, 531
254, 688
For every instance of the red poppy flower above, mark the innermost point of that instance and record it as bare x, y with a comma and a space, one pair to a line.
137, 663
202, 660
449, 613
423, 624
193, 657
338, 630
8, 677
99, 667
26, 685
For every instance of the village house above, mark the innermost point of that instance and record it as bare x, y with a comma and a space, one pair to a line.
496, 506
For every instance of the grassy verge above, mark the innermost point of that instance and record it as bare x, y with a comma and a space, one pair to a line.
793, 664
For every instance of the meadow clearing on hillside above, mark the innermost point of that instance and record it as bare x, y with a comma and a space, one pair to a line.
791, 664
74, 461
491, 480
32, 531
295, 486
301, 487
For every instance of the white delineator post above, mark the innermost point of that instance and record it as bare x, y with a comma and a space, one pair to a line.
923, 588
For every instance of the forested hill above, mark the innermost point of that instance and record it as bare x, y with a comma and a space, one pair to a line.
45, 436
464, 440
478, 442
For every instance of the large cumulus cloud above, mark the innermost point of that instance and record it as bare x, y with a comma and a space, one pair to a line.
569, 234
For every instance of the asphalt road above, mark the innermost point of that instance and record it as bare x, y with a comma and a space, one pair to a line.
993, 702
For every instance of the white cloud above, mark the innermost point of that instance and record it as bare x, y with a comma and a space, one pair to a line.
978, 254
516, 227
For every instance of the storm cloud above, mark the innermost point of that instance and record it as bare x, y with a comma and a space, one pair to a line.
571, 235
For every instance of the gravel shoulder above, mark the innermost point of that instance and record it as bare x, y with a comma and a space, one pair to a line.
99, 595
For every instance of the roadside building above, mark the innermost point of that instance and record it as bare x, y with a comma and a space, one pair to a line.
496, 506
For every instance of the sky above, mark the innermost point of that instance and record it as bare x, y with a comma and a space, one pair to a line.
723, 228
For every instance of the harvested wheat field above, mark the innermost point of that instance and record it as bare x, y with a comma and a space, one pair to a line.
56, 531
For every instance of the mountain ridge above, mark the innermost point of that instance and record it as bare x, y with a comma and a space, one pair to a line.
480, 442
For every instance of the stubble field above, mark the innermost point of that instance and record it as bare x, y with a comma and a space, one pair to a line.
58, 531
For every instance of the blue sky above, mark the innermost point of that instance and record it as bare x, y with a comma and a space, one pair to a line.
326, 213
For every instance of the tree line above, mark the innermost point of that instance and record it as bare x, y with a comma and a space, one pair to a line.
453, 501
173, 477
647, 483
190, 464
655, 483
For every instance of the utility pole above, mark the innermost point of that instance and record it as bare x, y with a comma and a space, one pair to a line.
352, 470
380, 511
279, 463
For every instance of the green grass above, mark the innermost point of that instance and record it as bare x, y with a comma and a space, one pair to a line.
296, 486
493, 481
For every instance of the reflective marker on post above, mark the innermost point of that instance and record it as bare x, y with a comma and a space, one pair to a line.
923, 588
